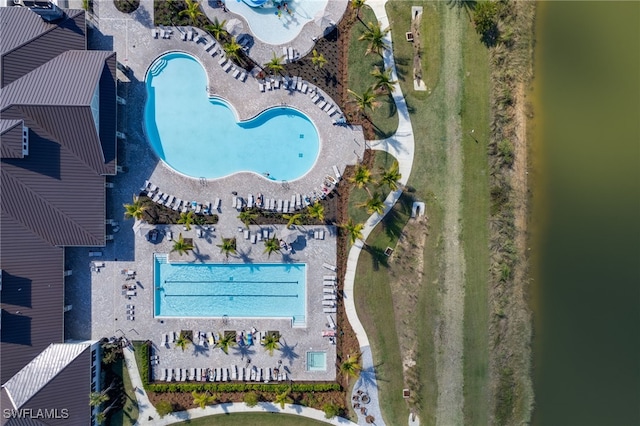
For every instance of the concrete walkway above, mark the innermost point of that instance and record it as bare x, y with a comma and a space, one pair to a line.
401, 146
148, 415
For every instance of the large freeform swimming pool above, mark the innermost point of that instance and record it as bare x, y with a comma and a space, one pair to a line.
275, 25
233, 290
201, 136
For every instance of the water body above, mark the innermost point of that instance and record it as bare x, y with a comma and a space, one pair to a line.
587, 214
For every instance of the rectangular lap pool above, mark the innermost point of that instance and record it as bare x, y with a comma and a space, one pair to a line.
233, 290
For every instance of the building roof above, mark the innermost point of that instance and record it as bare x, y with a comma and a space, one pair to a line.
28, 41
11, 139
41, 370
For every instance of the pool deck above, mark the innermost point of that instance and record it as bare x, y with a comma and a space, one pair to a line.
97, 297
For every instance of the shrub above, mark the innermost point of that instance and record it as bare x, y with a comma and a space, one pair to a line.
485, 19
164, 407
331, 410
143, 365
251, 399
126, 6
505, 151
242, 387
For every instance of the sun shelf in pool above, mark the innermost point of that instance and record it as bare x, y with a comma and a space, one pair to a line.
200, 136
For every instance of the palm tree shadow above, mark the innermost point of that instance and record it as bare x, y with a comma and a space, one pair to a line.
393, 222
368, 378
244, 255
377, 256
199, 256
288, 352
244, 351
401, 68
200, 350
467, 5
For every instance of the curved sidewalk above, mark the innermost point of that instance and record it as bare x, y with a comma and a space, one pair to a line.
148, 415
401, 145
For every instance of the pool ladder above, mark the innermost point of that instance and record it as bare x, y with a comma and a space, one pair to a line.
158, 66
162, 258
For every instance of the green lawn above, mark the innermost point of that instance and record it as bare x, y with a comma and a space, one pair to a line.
429, 183
253, 419
129, 413
360, 65
475, 217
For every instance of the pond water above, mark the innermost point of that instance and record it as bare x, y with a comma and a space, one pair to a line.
587, 214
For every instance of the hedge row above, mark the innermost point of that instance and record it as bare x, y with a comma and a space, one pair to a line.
143, 360
241, 387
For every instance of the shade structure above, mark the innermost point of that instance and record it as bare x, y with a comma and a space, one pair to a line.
140, 228
234, 26
289, 235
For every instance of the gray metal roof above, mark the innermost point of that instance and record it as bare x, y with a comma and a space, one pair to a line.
28, 41
41, 370
11, 138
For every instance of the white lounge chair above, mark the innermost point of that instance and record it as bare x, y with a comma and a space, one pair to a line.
253, 238
321, 104
327, 310
329, 290
168, 374
192, 374
329, 297
337, 172
261, 86
235, 73
243, 76
234, 372
226, 67
285, 207
330, 267
177, 205
330, 303
216, 203
154, 32
222, 60
329, 278
250, 201
280, 205
246, 234
225, 375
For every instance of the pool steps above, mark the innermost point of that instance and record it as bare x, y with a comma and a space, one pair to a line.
158, 66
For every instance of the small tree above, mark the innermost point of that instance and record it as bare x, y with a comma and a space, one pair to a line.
357, 5
283, 398
192, 11
331, 410
318, 60
271, 245
228, 246
375, 204
354, 230
97, 398
362, 177
134, 210
163, 408
384, 82
271, 342
182, 342
275, 64
247, 216
233, 49
375, 35
251, 399
203, 399
351, 367
181, 246
316, 210
217, 29
225, 342
391, 177
485, 20
293, 219
365, 100
187, 219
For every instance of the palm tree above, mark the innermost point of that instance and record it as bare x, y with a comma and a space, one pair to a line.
217, 29
134, 210
181, 246
354, 230
271, 245
283, 398
383, 80
357, 5
375, 204
203, 399
247, 216
192, 11
271, 342
233, 49
366, 100
351, 367
101, 417
275, 64
362, 177
228, 246
225, 342
187, 219
182, 342
391, 177
293, 219
375, 35
318, 60
97, 398
316, 210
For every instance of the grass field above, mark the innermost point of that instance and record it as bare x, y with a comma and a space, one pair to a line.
129, 413
385, 118
253, 419
475, 214
377, 284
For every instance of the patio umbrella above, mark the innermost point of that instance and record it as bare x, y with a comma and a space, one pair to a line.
234, 26
139, 228
289, 236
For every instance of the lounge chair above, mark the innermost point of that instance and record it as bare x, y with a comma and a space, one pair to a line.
280, 205
333, 111
198, 374
177, 205
214, 52
285, 54
328, 310
216, 204
265, 234
175, 336
290, 54
337, 172
242, 374
304, 88
154, 32
190, 35
235, 73
329, 290
327, 107
285, 208
329, 303
222, 61
253, 238
157, 197
168, 374
243, 76
198, 208
320, 235
268, 84
209, 46
184, 36
250, 201
192, 374
234, 372
226, 67
269, 375
293, 202
329, 278
329, 297
276, 83
131, 293
321, 104
170, 201
246, 234
225, 375
299, 85
315, 98
261, 86
218, 374
332, 323
330, 267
